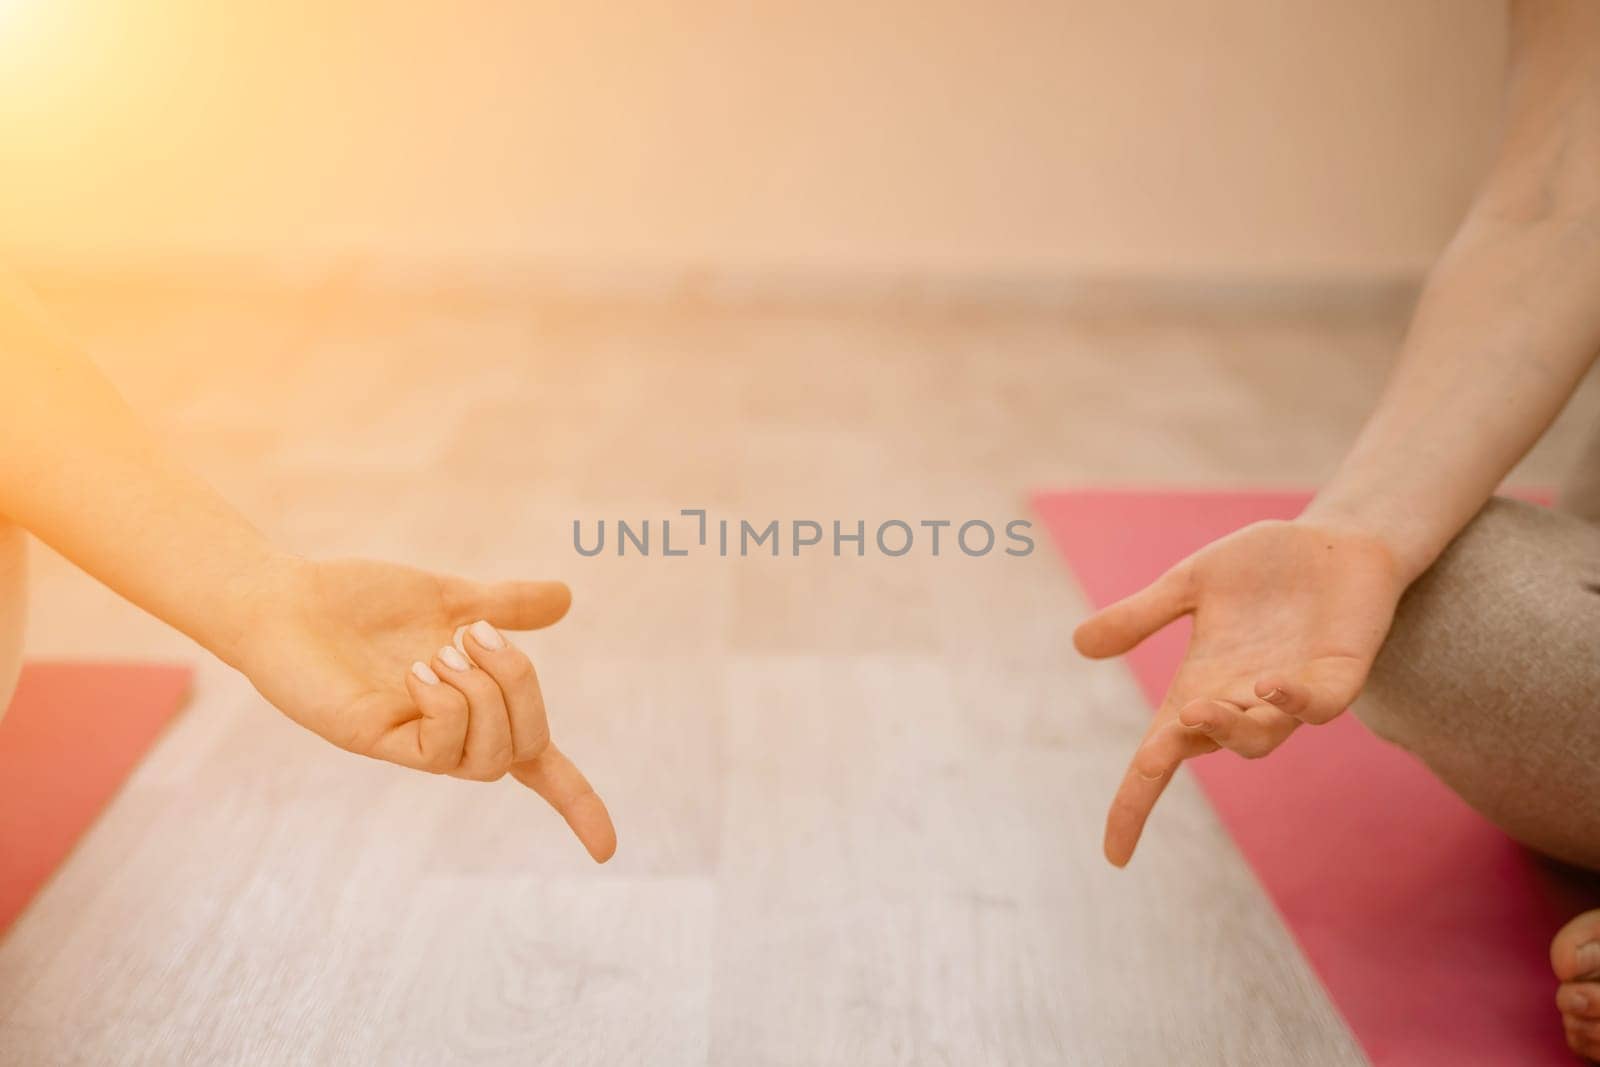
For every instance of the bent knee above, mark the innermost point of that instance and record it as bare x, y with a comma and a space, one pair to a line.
1390, 712
1516, 593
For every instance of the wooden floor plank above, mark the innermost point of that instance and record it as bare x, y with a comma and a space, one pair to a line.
859, 800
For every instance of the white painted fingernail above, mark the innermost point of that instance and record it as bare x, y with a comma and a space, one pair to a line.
487, 636
451, 657
424, 673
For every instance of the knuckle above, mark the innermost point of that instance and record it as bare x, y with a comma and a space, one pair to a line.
446, 702
532, 747
474, 685
500, 758
361, 740
493, 764
479, 770
514, 667
438, 761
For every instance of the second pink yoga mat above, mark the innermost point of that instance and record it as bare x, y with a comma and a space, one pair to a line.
1429, 928
73, 733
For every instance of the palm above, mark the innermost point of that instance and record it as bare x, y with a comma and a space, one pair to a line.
1287, 621
335, 648
344, 648
1280, 598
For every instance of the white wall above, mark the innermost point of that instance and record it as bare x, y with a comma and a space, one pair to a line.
1241, 138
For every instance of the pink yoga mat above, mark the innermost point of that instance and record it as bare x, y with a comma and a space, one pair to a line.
1428, 926
72, 734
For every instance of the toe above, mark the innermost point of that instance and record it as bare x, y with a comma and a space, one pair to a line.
1579, 1001
1575, 951
1583, 1037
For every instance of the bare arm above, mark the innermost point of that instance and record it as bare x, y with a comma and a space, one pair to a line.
1510, 318
80, 472
1289, 616
362, 653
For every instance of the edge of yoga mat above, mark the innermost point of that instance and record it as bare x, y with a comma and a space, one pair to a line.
1428, 927
73, 733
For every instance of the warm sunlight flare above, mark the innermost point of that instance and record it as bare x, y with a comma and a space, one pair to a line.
26, 47
12, 13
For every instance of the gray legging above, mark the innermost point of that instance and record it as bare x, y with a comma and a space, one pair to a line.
1491, 672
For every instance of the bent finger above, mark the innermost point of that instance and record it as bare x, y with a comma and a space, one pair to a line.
514, 673
487, 749
563, 786
1165, 749
432, 739
1317, 692
1249, 732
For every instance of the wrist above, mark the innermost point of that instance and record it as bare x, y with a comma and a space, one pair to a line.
258, 599
1410, 546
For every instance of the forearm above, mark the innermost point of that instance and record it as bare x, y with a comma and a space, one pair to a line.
81, 473
1505, 331
1509, 320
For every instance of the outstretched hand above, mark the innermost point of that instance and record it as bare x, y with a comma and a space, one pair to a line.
1288, 618
364, 654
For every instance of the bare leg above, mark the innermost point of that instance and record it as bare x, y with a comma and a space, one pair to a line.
1491, 675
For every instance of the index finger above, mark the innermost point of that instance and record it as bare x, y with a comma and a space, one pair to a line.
1154, 762
553, 776
1130, 809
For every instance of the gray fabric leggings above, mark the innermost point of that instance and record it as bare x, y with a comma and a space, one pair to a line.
1491, 672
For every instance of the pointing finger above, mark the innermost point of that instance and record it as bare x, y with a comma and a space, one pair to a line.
553, 776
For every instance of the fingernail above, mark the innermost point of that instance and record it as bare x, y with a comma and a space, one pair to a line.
1574, 1001
1589, 957
424, 673
487, 636
1274, 697
452, 658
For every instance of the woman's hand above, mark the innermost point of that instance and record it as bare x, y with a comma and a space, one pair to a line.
362, 653
1287, 620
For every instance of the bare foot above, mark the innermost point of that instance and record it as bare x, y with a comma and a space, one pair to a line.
1575, 956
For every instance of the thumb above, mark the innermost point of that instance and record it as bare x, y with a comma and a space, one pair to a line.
516, 605
1121, 626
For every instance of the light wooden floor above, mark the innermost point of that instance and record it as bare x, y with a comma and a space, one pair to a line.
859, 800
